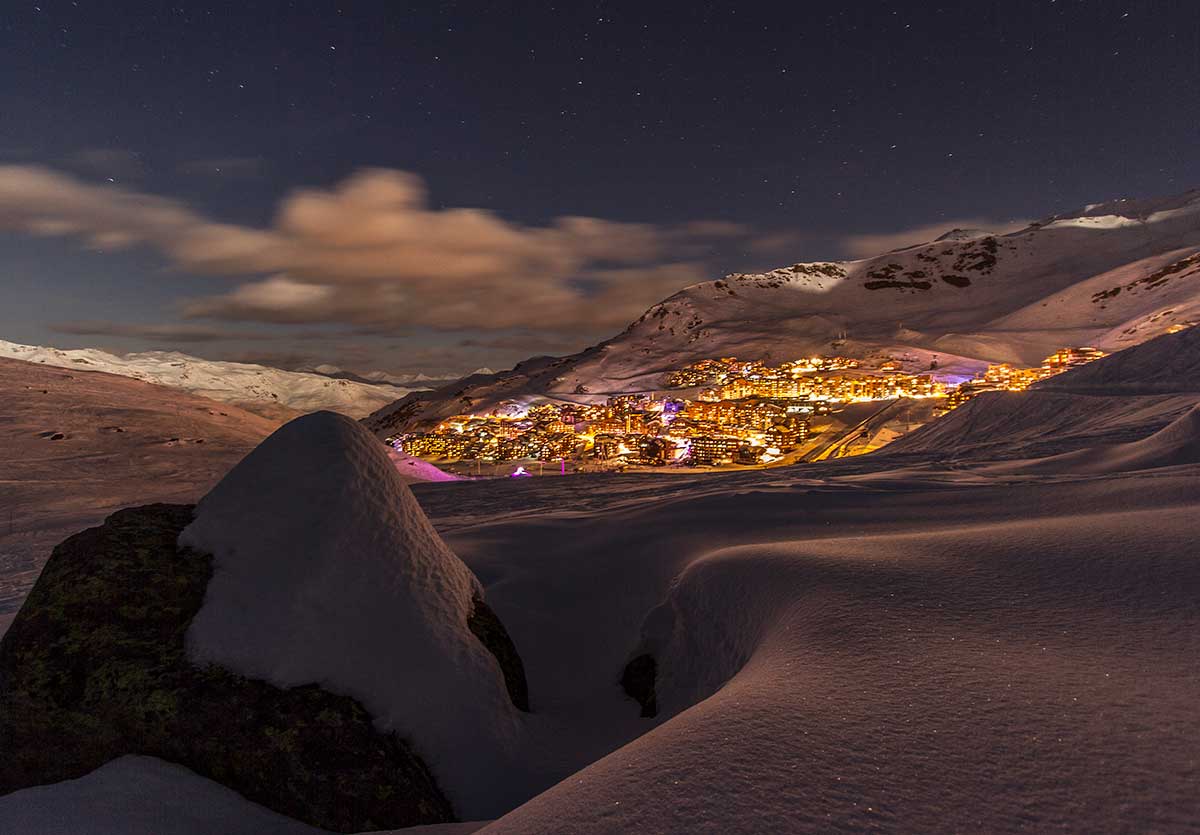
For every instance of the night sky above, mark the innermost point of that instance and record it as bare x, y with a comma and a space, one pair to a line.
438, 186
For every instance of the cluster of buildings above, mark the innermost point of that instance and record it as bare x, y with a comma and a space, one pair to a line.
626, 429
1005, 377
814, 378
728, 369
742, 413
745, 413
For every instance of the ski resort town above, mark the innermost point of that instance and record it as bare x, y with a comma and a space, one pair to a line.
712, 412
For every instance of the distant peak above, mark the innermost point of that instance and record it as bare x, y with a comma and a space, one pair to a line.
1136, 208
963, 235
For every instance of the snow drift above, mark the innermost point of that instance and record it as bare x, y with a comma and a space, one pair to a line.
957, 660
326, 570
1176, 444
1035, 423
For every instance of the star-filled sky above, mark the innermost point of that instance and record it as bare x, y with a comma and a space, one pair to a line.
438, 186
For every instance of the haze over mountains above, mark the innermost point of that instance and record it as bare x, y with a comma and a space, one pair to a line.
1110, 275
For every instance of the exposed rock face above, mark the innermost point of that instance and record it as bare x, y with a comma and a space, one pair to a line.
638, 683
485, 626
94, 667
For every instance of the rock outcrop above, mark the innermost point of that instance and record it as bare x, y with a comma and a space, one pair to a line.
94, 667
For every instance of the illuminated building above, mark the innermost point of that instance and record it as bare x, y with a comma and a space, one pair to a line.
719, 412
748, 455
1070, 358
606, 446
655, 451
709, 449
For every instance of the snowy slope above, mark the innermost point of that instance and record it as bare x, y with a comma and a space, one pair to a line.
413, 470
326, 570
1123, 397
1176, 444
251, 386
951, 660
1168, 364
75, 447
1111, 275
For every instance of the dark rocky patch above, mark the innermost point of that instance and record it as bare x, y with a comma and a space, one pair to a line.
911, 284
1183, 268
638, 683
486, 626
94, 667
957, 280
979, 256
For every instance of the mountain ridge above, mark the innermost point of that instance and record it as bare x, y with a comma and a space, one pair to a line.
270, 391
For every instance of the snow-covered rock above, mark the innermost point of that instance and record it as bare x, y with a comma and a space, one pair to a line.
109, 614
327, 570
251, 386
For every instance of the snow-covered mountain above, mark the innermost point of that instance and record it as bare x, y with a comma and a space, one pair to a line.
418, 380
1110, 275
255, 387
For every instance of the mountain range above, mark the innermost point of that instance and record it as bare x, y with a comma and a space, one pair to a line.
258, 388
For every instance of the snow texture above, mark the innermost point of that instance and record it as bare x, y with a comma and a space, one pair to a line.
326, 570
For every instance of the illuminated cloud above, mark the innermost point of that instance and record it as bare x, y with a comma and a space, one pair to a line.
870, 244
370, 252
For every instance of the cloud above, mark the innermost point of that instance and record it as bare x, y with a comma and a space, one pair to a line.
779, 243
114, 163
522, 343
868, 245
370, 252
183, 332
